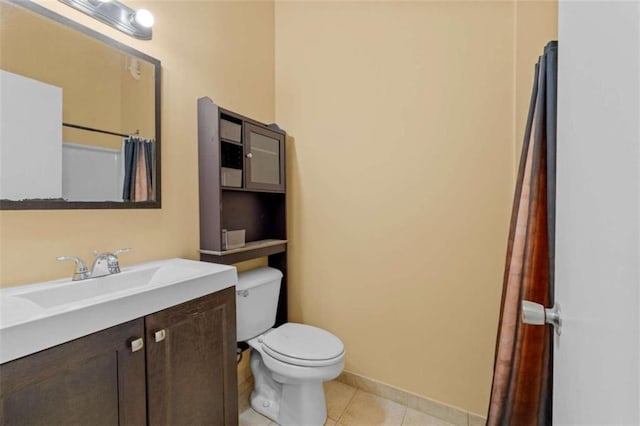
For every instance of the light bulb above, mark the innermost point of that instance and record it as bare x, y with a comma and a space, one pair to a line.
144, 18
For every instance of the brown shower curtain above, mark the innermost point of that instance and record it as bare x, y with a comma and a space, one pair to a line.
522, 377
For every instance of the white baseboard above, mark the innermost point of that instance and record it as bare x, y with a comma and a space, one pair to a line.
437, 409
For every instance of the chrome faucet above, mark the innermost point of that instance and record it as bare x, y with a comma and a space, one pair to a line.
105, 263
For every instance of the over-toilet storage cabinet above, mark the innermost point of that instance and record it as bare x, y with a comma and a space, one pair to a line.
188, 376
242, 185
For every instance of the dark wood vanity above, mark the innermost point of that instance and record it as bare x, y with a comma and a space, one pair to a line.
175, 366
242, 185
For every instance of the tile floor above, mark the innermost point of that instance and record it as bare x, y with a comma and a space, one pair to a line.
349, 406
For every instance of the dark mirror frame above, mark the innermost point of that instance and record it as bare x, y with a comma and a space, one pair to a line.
60, 204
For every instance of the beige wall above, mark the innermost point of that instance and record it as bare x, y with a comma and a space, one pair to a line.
401, 177
224, 50
137, 92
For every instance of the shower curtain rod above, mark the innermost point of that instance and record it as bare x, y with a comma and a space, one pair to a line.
106, 132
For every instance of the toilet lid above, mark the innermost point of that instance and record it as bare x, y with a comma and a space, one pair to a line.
302, 345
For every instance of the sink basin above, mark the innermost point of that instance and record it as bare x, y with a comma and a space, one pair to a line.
38, 316
129, 280
15, 309
76, 291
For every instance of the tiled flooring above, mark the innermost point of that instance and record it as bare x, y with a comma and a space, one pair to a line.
349, 406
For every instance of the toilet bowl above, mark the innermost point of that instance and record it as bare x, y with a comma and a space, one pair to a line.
290, 362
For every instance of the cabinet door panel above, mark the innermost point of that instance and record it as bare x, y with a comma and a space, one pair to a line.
94, 380
264, 165
191, 372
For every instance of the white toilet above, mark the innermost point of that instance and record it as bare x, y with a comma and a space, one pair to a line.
289, 363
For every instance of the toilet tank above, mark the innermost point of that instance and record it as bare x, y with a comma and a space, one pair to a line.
257, 294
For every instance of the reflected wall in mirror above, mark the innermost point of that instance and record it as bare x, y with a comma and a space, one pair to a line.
79, 115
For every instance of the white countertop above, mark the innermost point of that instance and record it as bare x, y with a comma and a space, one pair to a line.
38, 316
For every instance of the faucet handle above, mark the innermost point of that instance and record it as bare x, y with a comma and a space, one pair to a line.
115, 262
115, 253
81, 272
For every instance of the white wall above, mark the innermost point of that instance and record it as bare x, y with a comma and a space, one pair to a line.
597, 358
30, 138
91, 173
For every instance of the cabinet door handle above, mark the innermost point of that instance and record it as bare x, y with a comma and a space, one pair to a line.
249, 155
137, 344
160, 335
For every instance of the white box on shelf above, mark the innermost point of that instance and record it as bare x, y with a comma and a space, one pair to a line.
232, 239
231, 177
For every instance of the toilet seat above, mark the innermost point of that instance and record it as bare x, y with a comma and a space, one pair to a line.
303, 345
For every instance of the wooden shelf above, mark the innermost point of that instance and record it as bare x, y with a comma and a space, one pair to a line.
235, 188
225, 140
251, 250
259, 208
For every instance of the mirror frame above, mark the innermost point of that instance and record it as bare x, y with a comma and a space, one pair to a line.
61, 204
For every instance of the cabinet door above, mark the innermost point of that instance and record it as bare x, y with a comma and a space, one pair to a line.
93, 380
191, 362
264, 159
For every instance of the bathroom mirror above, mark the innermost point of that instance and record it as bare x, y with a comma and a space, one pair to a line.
79, 116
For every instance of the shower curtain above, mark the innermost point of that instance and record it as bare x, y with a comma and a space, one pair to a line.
521, 392
138, 169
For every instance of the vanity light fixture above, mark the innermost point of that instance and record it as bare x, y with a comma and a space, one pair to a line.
144, 18
136, 23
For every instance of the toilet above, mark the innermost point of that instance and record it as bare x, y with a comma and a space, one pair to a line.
290, 362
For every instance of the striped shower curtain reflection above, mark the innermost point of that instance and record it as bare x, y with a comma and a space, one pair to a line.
138, 184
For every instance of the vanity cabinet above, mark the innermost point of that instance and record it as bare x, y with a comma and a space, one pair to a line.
93, 380
188, 376
191, 362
